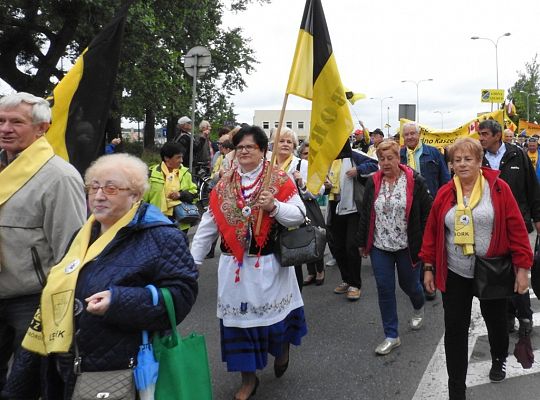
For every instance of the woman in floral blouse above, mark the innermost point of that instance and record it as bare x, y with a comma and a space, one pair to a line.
392, 221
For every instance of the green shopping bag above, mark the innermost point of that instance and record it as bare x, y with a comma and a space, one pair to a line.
184, 373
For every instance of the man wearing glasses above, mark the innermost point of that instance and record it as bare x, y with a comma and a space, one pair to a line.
42, 204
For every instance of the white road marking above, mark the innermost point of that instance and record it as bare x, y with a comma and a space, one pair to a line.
434, 383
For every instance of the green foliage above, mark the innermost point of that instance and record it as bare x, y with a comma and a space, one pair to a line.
40, 39
528, 82
151, 157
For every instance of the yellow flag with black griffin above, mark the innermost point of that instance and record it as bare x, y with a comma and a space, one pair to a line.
314, 76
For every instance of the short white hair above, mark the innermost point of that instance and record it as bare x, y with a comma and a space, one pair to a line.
413, 124
41, 111
133, 168
204, 124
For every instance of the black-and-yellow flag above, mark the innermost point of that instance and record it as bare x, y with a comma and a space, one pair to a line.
314, 76
81, 100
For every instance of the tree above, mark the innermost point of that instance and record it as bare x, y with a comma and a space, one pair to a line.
39, 39
528, 82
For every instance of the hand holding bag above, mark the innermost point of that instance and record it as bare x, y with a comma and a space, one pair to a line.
494, 278
183, 362
187, 213
301, 245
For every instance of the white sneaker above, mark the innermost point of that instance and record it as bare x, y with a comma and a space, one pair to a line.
331, 263
417, 319
387, 346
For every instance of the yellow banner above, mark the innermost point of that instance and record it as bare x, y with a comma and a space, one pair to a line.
529, 127
442, 138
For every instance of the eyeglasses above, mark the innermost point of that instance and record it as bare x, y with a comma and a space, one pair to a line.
109, 189
248, 147
305, 153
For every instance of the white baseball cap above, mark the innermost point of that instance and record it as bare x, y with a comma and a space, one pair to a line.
184, 120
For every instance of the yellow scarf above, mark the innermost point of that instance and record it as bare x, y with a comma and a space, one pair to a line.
533, 157
333, 176
172, 184
51, 330
286, 164
411, 160
463, 222
17, 173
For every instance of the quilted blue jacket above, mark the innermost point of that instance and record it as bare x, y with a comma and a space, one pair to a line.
149, 250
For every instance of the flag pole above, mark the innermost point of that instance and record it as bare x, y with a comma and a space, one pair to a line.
272, 160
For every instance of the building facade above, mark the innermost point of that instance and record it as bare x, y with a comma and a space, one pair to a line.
297, 120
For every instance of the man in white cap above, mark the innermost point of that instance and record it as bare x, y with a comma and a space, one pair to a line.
183, 137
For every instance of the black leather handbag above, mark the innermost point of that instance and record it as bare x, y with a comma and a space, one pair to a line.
494, 278
111, 385
301, 245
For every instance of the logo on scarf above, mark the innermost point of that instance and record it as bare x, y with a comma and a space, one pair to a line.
60, 302
72, 266
464, 219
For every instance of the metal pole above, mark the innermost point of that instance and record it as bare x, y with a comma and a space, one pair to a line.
381, 112
388, 121
528, 107
193, 104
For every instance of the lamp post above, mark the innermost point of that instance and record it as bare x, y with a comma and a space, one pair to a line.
442, 116
528, 94
381, 100
417, 83
496, 44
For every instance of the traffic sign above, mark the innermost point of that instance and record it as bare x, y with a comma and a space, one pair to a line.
492, 96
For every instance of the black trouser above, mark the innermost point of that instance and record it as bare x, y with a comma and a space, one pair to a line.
299, 276
315, 267
519, 305
15, 317
457, 302
344, 228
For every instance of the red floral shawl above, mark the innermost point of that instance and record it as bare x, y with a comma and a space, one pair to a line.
232, 225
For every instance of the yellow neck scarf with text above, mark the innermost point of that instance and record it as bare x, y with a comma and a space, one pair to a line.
18, 172
463, 222
333, 175
172, 184
286, 164
51, 330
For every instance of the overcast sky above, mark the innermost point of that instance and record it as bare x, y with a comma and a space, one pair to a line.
377, 44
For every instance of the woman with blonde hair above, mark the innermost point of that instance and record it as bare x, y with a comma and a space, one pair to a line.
392, 221
473, 216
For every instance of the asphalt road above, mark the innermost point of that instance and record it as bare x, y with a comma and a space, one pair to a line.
337, 360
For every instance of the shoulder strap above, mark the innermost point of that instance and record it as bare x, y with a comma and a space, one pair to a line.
167, 298
298, 165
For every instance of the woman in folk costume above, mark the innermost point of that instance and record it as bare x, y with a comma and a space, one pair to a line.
170, 183
473, 215
259, 303
96, 296
297, 171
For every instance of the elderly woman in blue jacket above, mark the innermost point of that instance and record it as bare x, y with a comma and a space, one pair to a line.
96, 295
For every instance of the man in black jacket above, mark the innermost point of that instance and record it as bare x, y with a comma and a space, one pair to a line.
516, 170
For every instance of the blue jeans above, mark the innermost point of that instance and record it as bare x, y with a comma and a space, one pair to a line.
384, 264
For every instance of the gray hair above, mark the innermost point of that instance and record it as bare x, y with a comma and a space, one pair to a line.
41, 112
133, 168
204, 124
412, 124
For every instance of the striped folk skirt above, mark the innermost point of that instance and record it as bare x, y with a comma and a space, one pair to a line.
247, 349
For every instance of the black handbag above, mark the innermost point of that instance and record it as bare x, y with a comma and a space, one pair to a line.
494, 278
301, 245
535, 270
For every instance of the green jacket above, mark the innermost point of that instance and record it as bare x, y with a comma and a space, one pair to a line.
156, 181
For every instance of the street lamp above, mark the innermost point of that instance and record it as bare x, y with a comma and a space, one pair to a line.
381, 100
442, 116
417, 101
495, 43
528, 94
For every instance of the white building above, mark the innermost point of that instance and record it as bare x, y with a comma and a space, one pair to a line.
297, 120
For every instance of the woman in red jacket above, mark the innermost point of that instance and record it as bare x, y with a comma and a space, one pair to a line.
480, 207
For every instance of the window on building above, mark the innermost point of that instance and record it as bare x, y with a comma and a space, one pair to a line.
288, 124
266, 125
276, 124
300, 124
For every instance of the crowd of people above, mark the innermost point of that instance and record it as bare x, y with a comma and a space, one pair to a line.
76, 255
